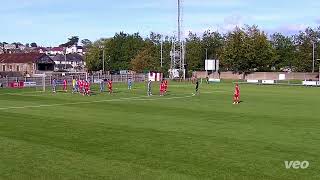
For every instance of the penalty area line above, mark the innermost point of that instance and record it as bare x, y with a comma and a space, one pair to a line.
142, 98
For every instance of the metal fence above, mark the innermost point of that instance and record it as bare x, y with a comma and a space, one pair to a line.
94, 78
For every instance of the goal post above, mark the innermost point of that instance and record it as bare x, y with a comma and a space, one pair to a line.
38, 81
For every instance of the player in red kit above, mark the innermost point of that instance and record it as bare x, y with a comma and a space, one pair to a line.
236, 97
162, 88
89, 89
110, 86
165, 86
86, 88
80, 86
65, 85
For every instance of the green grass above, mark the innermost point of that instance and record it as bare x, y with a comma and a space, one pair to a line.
130, 136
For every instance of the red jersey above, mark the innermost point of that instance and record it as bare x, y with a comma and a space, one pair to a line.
237, 91
110, 84
86, 85
64, 82
162, 86
80, 83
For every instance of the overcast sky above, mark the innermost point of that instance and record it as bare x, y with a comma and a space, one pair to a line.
51, 22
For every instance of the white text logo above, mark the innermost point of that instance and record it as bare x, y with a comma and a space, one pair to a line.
296, 164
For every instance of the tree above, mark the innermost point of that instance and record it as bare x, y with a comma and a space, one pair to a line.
247, 50
284, 51
93, 59
71, 41
119, 51
235, 51
155, 38
17, 44
86, 43
144, 60
141, 62
27, 45
195, 53
122, 48
94, 56
304, 45
261, 54
33, 45
213, 42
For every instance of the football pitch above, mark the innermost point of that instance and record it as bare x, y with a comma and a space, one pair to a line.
128, 135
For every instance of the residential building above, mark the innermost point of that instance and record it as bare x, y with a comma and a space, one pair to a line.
69, 62
22, 47
74, 49
9, 46
25, 63
56, 50
41, 50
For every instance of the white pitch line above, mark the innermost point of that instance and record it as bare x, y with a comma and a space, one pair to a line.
91, 102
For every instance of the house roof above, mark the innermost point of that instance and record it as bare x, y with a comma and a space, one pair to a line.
23, 58
57, 49
41, 48
69, 57
63, 66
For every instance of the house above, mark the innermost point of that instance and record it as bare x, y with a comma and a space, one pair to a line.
22, 47
9, 46
69, 62
26, 63
1, 51
56, 50
74, 49
41, 50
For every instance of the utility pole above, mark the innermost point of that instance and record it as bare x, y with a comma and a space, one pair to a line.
103, 54
65, 58
206, 53
206, 61
319, 72
103, 57
161, 58
313, 56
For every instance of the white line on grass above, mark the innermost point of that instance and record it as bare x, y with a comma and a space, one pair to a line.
91, 102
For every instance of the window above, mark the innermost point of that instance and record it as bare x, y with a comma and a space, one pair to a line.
18, 68
3, 68
10, 67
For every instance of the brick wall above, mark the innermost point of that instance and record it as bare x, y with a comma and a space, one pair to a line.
260, 75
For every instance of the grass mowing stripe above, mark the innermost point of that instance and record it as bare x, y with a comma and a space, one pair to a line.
90, 102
